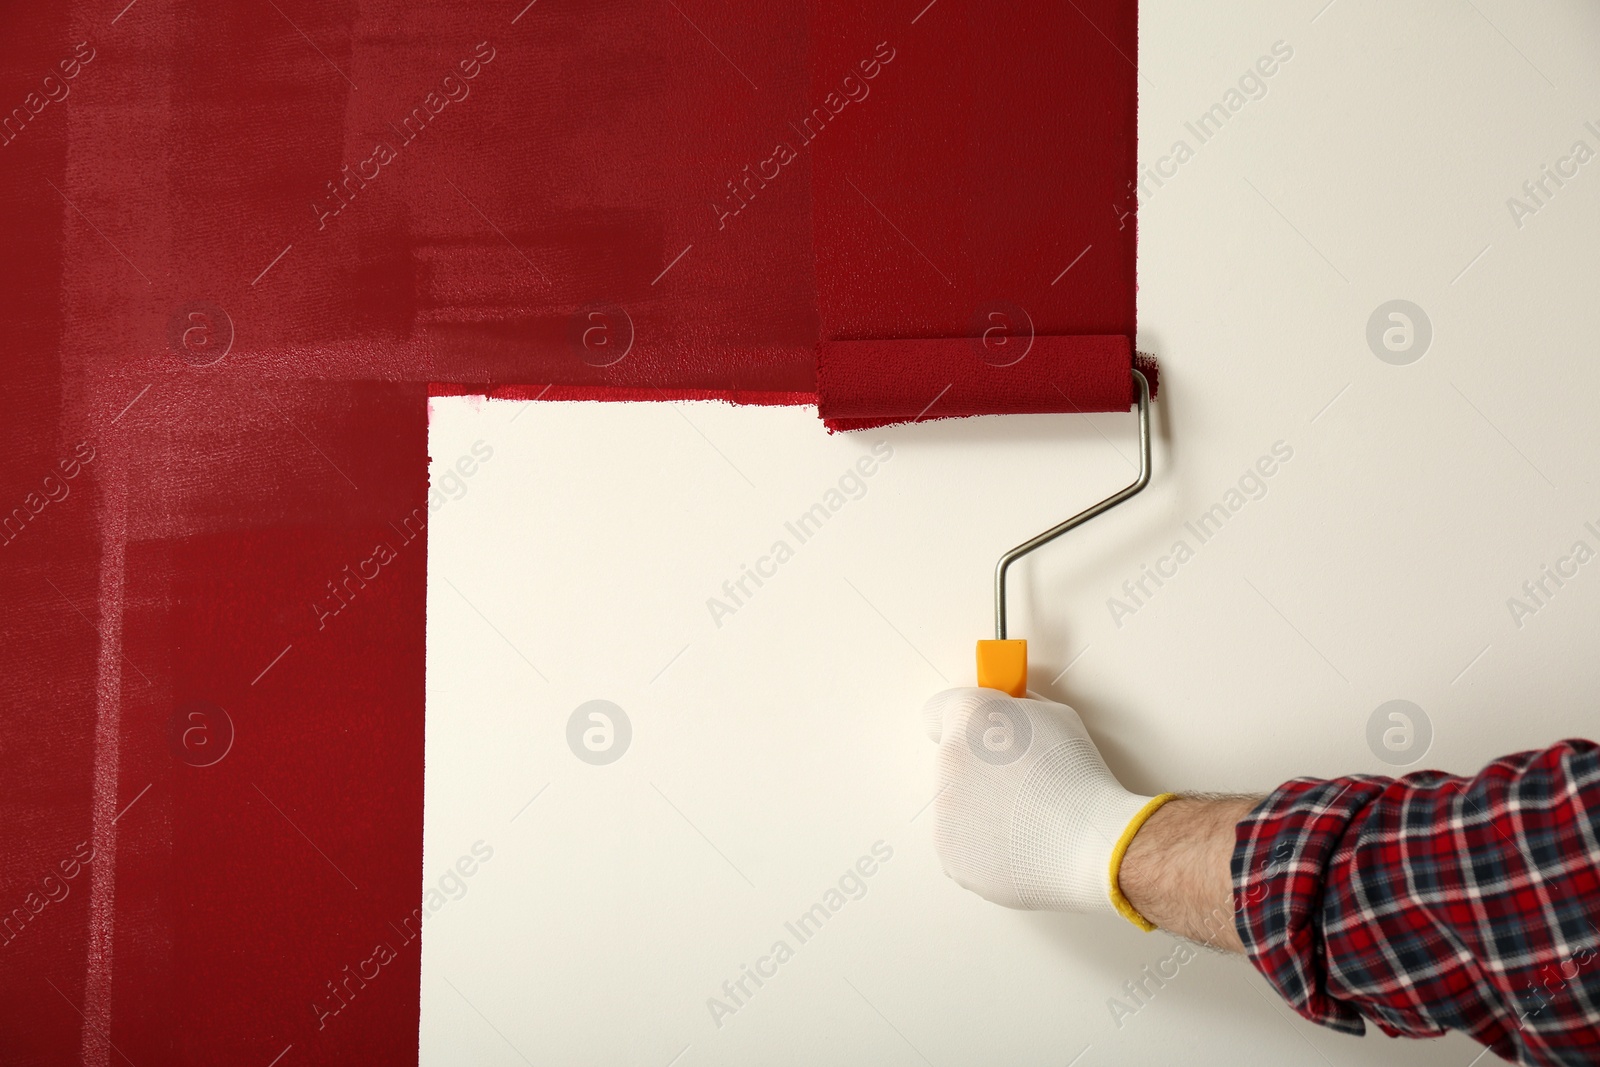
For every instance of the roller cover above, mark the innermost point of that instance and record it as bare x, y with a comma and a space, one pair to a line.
861, 384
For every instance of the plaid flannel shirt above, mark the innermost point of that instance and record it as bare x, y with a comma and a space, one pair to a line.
1432, 903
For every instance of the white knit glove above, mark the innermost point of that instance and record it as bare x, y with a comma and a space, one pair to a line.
1027, 813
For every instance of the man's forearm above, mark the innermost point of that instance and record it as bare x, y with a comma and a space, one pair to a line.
1176, 870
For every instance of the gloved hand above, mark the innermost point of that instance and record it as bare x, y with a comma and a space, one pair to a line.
1027, 813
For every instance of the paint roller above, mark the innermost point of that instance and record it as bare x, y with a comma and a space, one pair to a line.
862, 384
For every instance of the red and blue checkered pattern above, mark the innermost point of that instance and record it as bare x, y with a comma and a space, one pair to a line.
1431, 902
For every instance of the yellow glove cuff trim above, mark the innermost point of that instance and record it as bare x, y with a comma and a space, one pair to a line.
1118, 901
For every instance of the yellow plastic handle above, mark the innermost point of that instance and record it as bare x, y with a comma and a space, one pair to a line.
1003, 665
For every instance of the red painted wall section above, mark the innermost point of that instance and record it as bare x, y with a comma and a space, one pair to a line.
991, 152
243, 246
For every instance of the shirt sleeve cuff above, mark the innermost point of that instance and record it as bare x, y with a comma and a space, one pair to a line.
1282, 850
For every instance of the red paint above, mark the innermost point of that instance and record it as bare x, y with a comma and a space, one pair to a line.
249, 352
618, 394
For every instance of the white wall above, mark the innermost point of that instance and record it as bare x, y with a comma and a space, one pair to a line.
770, 753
